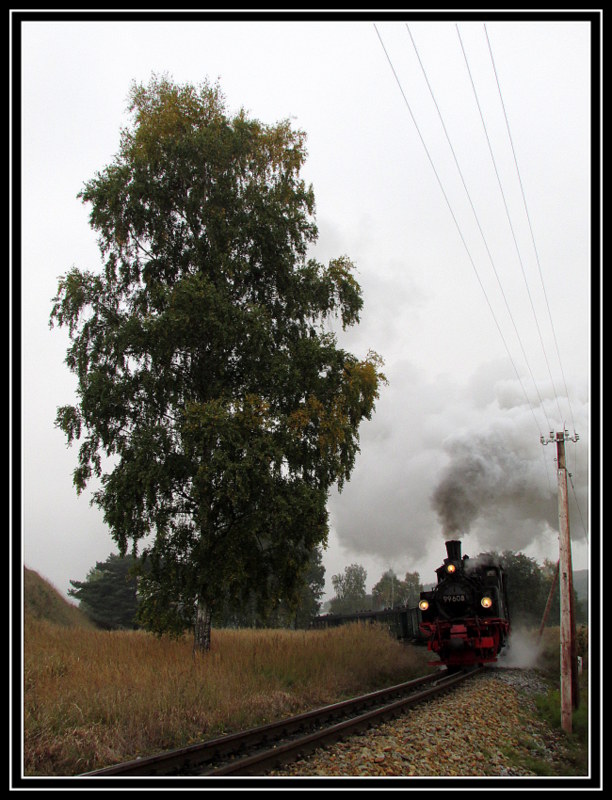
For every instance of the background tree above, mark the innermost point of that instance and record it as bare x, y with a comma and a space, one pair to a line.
412, 588
108, 595
307, 604
206, 371
550, 580
388, 592
350, 590
391, 591
308, 601
527, 587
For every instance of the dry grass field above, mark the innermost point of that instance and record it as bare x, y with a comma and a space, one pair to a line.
93, 698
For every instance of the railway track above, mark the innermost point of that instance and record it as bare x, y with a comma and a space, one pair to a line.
258, 750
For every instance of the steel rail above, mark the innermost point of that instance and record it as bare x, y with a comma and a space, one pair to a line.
259, 763
197, 757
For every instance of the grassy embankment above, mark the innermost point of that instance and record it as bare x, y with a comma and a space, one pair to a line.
93, 698
543, 655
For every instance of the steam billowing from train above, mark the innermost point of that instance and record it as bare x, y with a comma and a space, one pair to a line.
485, 478
442, 461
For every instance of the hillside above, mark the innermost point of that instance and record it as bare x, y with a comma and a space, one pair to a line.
43, 601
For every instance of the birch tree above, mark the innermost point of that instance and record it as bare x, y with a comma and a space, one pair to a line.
215, 409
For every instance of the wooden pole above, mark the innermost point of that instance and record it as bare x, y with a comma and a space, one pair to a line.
551, 594
568, 647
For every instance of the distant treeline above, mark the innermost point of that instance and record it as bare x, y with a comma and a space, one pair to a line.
109, 595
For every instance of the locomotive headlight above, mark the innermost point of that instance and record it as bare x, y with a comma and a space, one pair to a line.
450, 568
423, 605
486, 602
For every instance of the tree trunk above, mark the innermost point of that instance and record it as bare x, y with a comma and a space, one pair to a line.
201, 631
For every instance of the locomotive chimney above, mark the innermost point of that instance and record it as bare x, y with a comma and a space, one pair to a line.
453, 549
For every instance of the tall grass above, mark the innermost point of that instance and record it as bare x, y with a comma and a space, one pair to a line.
549, 704
93, 698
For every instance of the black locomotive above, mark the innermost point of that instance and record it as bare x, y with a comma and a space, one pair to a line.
465, 618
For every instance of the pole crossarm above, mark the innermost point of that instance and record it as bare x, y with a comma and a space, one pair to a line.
552, 437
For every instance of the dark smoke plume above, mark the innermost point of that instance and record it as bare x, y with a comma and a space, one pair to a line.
456, 499
487, 480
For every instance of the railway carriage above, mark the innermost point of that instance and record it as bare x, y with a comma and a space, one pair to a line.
402, 622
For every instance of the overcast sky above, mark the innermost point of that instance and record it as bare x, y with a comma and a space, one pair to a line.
458, 301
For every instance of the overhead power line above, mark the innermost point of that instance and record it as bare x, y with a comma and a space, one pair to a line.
518, 173
461, 236
503, 195
479, 226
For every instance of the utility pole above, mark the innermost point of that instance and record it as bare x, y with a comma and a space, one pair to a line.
551, 594
569, 662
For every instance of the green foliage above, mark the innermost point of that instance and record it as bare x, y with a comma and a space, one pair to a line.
109, 593
529, 585
350, 589
549, 706
214, 406
296, 612
391, 591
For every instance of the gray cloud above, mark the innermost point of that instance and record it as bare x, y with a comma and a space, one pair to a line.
377, 201
444, 459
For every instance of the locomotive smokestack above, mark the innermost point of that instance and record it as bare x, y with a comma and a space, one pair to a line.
453, 549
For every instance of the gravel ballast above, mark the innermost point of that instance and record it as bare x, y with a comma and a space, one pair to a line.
482, 728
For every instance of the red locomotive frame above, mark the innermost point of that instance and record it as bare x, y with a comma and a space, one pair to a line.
465, 642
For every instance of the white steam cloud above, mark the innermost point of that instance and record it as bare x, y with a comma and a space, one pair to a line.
466, 459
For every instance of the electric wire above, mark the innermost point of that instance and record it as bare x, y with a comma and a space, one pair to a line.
484, 239
503, 195
535, 249
530, 226
461, 236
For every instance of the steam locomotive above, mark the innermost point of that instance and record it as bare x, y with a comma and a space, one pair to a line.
465, 618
